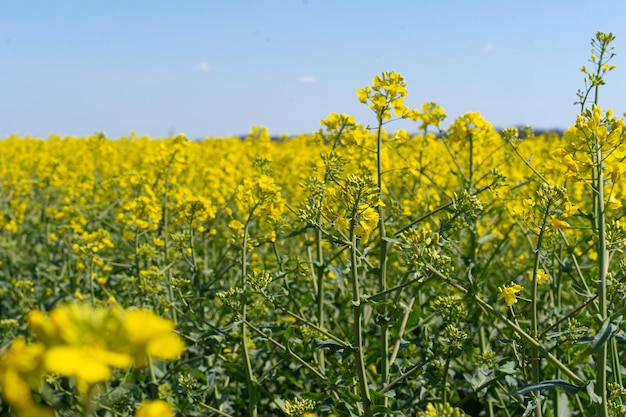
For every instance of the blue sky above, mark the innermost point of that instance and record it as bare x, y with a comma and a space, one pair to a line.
216, 68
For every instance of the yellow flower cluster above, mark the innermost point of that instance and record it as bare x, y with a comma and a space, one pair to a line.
86, 343
260, 196
594, 130
441, 410
386, 94
354, 206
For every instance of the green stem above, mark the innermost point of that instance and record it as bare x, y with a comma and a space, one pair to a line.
382, 265
320, 269
252, 406
286, 350
319, 255
534, 320
404, 376
357, 326
214, 410
446, 370
405, 319
89, 403
558, 301
164, 234
92, 294
603, 261
528, 164
306, 322
484, 347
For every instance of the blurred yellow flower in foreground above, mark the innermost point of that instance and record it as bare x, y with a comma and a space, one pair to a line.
156, 408
83, 342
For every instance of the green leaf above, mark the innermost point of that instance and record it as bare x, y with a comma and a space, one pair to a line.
602, 336
393, 240
507, 368
484, 239
320, 397
581, 291
379, 410
480, 377
339, 277
549, 383
621, 340
591, 391
330, 344
287, 334
599, 339
531, 407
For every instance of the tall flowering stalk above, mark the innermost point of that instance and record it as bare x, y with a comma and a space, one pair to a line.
257, 200
336, 126
593, 138
589, 147
384, 97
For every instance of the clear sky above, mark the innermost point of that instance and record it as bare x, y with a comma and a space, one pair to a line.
216, 68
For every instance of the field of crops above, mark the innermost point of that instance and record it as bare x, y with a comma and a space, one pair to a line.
355, 271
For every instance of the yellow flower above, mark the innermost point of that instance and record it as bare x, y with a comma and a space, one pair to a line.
270, 236
613, 203
235, 225
156, 408
367, 223
570, 209
441, 410
331, 122
86, 342
541, 276
559, 224
570, 163
508, 293
88, 364
153, 336
616, 173
363, 93
20, 369
341, 223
